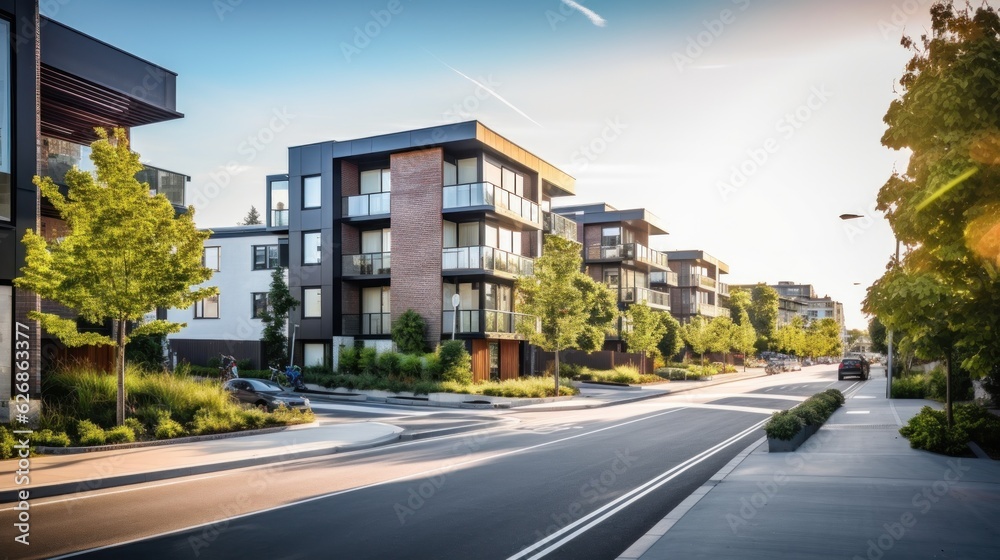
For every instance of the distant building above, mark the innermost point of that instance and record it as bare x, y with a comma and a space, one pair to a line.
699, 289
801, 299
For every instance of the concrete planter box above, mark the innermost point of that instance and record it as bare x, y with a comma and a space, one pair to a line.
783, 446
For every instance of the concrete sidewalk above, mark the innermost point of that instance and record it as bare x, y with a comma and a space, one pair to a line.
854, 490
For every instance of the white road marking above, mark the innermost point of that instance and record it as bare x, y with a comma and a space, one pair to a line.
371, 409
857, 412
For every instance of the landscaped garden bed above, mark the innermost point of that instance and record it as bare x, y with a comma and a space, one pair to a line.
788, 429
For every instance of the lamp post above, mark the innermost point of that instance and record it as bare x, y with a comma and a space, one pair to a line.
888, 373
455, 301
291, 348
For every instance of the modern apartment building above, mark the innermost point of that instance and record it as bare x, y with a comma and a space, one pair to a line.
243, 258
616, 252
58, 84
801, 299
414, 220
699, 289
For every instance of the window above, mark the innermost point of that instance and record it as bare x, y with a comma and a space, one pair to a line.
450, 174
376, 241
265, 257
611, 237
279, 203
212, 258
468, 171
207, 308
313, 354
376, 181
311, 247
311, 193
312, 302
468, 234
259, 304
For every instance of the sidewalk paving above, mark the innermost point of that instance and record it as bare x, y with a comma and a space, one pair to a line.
854, 490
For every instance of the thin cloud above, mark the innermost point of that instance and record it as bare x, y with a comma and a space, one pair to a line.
487, 90
591, 14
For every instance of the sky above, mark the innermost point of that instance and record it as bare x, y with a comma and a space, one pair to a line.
746, 126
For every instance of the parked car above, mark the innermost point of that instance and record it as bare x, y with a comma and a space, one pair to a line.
264, 394
853, 366
794, 365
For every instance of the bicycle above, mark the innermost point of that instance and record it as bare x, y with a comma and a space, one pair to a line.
278, 376
228, 369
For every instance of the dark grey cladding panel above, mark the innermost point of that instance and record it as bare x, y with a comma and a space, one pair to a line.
391, 142
311, 161
83, 56
361, 147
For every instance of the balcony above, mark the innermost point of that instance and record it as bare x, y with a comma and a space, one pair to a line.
456, 197
367, 264
486, 258
279, 218
723, 289
376, 324
364, 205
653, 298
667, 278
556, 224
628, 252
493, 321
698, 281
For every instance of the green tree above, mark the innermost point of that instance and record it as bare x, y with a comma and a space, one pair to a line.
744, 337
645, 331
125, 253
672, 342
602, 305
722, 330
877, 333
408, 332
854, 337
791, 338
275, 318
739, 302
822, 338
551, 296
763, 313
698, 336
252, 218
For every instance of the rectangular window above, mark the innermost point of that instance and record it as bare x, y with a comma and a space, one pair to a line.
376, 181
313, 354
468, 171
279, 204
311, 194
312, 302
450, 174
449, 234
212, 258
265, 257
311, 247
207, 308
376, 241
468, 234
259, 303
492, 173
611, 237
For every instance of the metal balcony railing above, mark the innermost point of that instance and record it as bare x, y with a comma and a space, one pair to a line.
367, 324
488, 194
486, 258
366, 264
362, 205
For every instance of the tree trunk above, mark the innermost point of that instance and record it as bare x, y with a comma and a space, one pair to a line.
120, 370
947, 388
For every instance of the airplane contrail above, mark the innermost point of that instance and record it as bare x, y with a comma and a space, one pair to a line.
488, 90
591, 14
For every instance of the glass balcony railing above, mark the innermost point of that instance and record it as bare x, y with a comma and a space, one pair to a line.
367, 324
651, 297
486, 258
628, 252
698, 281
723, 289
279, 218
362, 205
666, 277
493, 321
467, 321
558, 225
488, 194
366, 264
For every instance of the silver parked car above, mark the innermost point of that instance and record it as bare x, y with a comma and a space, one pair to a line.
264, 394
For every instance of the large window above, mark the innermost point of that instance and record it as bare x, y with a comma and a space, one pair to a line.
259, 303
376, 241
468, 171
375, 181
207, 308
311, 247
312, 303
265, 257
212, 258
611, 236
314, 354
311, 194
279, 203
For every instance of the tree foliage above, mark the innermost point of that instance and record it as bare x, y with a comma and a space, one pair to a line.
877, 334
697, 335
744, 336
275, 318
739, 303
823, 338
721, 331
408, 332
671, 342
124, 254
763, 313
252, 218
645, 331
602, 305
791, 338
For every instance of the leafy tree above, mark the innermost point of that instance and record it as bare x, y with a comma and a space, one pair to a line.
252, 218
739, 302
721, 329
275, 318
744, 337
125, 253
763, 313
854, 336
551, 296
877, 334
698, 336
823, 338
791, 338
672, 342
408, 332
602, 304
645, 332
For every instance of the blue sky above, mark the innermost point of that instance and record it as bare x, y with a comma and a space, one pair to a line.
747, 126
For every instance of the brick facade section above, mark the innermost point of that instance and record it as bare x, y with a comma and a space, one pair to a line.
417, 180
350, 240
350, 299
350, 179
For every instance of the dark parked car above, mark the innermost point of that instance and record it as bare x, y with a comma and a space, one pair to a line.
853, 366
264, 394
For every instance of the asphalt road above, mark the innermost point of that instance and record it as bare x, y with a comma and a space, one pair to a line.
574, 484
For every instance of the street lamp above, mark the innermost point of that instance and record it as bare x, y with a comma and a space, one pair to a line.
888, 374
291, 349
455, 300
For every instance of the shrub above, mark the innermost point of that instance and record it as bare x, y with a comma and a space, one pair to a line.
134, 424
936, 384
456, 363
167, 428
48, 438
411, 366
408, 332
88, 433
910, 387
432, 367
7, 443
571, 370
348, 360
929, 430
388, 364
982, 425
368, 361
783, 425
120, 434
